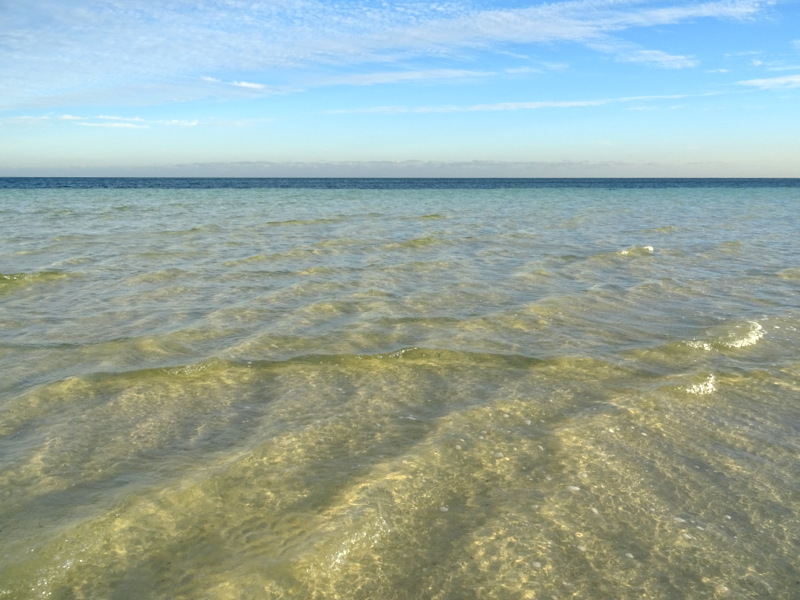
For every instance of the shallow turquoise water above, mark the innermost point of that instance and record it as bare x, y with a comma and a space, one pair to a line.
426, 391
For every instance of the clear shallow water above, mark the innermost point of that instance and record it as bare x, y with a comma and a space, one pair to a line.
399, 389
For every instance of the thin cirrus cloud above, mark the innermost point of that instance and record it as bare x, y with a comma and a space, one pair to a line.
364, 79
249, 85
113, 125
109, 121
127, 122
774, 83
662, 59
507, 106
452, 108
388, 77
82, 48
261, 89
577, 21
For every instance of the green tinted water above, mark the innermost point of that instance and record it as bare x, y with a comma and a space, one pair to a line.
399, 394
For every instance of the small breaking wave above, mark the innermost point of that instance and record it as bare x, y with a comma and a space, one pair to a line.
737, 336
637, 251
700, 345
709, 386
745, 336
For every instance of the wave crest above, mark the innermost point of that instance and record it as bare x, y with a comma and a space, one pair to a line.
740, 335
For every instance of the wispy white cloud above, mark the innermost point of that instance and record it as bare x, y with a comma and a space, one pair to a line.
743, 53
134, 122
116, 125
661, 59
361, 79
774, 83
453, 108
598, 167
111, 121
794, 67
115, 118
139, 51
664, 15
24, 120
578, 20
521, 70
250, 86
237, 123
443, 168
181, 123
262, 89
504, 106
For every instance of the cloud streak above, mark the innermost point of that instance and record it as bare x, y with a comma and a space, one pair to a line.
505, 106
121, 48
389, 77
113, 125
661, 59
774, 83
110, 121
398, 168
249, 86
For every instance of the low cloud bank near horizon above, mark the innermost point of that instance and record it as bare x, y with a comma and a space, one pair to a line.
407, 168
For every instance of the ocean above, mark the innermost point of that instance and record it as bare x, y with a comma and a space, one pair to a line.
399, 389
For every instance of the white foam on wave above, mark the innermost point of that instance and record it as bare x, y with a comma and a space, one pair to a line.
637, 250
709, 386
739, 337
755, 333
700, 345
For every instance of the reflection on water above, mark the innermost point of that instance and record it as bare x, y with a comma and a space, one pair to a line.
548, 393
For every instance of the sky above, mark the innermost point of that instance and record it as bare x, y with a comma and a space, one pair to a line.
476, 88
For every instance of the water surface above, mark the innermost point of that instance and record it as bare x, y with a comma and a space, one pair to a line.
399, 389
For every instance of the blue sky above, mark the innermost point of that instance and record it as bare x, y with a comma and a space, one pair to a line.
371, 88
